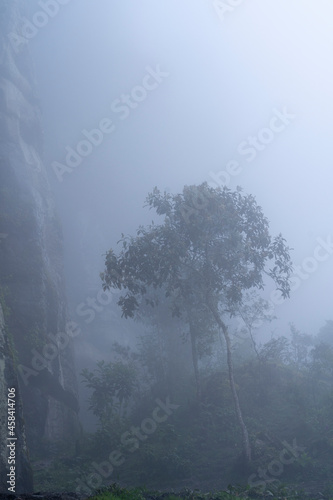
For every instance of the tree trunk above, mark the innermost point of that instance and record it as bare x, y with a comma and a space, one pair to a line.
195, 360
246, 441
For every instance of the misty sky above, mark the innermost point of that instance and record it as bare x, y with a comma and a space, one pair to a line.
225, 80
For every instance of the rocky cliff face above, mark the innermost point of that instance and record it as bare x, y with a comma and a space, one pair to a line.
13, 453
31, 261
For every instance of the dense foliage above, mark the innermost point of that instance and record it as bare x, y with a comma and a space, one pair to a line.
166, 408
212, 246
115, 492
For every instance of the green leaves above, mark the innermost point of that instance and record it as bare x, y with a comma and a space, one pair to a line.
112, 384
210, 241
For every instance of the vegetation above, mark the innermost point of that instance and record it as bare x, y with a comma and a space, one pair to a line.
115, 492
212, 246
167, 407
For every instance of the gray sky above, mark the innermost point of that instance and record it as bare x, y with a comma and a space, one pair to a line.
228, 74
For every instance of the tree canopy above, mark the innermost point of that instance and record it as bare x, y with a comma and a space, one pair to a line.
211, 247
211, 241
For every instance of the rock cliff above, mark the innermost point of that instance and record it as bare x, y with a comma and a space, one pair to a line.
19, 457
31, 260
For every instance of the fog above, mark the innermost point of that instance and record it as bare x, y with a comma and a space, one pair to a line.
225, 72
170, 93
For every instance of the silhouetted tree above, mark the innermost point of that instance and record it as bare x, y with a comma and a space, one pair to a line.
212, 246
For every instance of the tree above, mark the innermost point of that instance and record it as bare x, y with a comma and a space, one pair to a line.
112, 385
211, 247
325, 334
300, 345
253, 312
163, 349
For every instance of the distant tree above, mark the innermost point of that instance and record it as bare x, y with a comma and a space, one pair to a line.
112, 385
211, 247
163, 347
325, 334
277, 350
252, 312
322, 361
300, 346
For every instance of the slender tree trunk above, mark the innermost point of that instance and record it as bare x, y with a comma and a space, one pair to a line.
245, 434
195, 360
